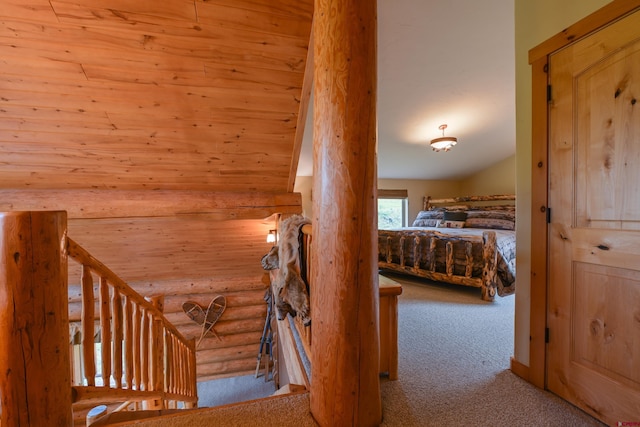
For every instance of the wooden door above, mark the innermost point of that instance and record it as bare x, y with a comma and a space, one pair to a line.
594, 231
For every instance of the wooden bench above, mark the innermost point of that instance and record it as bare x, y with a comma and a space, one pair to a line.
291, 361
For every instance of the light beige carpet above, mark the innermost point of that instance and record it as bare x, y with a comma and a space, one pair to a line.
454, 352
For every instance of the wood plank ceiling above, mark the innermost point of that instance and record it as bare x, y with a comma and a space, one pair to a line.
146, 94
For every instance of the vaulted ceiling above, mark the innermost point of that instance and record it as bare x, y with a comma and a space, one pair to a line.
442, 61
210, 94
147, 94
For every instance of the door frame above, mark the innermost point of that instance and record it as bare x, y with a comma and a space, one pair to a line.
538, 59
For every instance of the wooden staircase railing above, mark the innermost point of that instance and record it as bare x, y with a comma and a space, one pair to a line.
143, 356
136, 360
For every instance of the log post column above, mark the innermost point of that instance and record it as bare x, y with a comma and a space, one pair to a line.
35, 384
345, 388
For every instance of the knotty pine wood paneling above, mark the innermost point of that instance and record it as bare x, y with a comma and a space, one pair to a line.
167, 131
167, 248
102, 204
171, 95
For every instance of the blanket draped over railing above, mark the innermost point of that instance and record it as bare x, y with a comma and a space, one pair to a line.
61, 354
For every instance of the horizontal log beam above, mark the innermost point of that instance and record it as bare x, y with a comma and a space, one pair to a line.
428, 201
93, 204
230, 341
83, 395
225, 354
237, 365
433, 275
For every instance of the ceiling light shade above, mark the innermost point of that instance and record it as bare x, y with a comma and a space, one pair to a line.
443, 143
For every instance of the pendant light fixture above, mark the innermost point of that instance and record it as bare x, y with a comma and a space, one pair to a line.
444, 143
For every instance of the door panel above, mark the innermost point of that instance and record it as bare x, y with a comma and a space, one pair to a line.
607, 177
604, 342
594, 236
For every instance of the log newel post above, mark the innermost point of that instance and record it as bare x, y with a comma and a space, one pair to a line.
35, 384
345, 388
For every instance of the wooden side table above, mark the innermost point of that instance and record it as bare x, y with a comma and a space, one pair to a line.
389, 291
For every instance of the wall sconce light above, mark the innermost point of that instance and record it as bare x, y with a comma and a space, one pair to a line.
272, 236
443, 143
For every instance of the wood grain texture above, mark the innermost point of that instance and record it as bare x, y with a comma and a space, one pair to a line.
199, 77
168, 132
593, 161
34, 333
345, 388
100, 204
539, 227
170, 248
389, 292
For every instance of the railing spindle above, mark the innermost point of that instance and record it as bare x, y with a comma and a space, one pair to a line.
116, 307
144, 349
168, 361
128, 341
88, 317
183, 372
137, 354
105, 331
158, 362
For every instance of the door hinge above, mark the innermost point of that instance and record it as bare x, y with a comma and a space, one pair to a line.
548, 93
546, 335
548, 215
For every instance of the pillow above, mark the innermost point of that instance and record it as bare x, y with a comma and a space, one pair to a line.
425, 222
493, 223
430, 215
450, 224
455, 216
427, 218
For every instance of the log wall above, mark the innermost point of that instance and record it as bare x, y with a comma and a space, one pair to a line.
168, 131
190, 257
158, 95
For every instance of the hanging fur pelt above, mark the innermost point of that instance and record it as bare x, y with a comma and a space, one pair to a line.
290, 291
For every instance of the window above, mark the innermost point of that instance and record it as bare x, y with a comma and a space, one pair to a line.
392, 208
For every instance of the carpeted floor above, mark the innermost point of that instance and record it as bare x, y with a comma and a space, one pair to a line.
454, 355
454, 352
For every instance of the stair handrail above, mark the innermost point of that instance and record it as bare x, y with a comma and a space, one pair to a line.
47, 378
169, 378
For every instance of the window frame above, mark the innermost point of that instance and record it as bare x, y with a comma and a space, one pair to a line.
396, 194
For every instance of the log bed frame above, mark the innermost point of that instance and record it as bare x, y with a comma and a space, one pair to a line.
458, 244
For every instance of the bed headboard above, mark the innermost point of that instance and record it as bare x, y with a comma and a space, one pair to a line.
429, 203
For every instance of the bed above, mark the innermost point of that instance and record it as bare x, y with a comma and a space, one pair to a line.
463, 240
